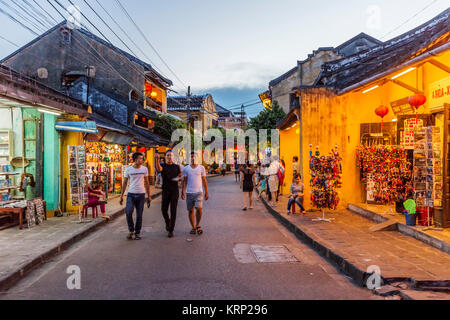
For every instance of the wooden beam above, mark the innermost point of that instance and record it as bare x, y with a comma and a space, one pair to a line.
406, 86
440, 65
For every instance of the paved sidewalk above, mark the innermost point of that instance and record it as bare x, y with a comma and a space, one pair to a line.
23, 250
349, 243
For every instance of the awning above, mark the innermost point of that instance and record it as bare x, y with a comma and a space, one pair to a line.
116, 138
78, 126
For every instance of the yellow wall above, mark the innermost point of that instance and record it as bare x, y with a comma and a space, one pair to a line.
330, 120
70, 138
290, 144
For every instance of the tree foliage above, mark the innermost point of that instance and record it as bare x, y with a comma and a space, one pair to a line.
267, 119
165, 125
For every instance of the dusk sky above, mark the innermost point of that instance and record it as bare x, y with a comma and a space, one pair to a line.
233, 48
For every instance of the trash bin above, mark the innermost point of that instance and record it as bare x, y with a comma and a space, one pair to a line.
410, 218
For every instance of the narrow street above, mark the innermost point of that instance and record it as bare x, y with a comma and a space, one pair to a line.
216, 265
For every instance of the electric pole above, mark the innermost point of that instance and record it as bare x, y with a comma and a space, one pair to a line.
242, 116
188, 98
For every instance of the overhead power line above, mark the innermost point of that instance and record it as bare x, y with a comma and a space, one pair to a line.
31, 15
9, 41
48, 13
18, 22
408, 20
148, 42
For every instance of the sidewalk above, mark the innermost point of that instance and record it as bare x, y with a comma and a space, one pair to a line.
21, 251
348, 243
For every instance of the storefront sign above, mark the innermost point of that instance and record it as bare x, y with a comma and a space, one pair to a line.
439, 93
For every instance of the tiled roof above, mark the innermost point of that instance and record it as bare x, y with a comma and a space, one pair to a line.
223, 112
348, 71
180, 103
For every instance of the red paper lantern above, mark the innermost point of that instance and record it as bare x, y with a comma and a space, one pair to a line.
417, 100
382, 111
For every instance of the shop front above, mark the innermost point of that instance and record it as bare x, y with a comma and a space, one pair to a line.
398, 121
106, 158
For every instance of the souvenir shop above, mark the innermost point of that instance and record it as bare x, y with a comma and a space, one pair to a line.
406, 161
106, 158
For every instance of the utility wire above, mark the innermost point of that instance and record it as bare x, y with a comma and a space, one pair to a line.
124, 32
38, 12
148, 42
20, 15
17, 21
408, 20
31, 15
48, 13
9, 41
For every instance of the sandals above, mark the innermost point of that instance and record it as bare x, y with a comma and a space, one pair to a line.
193, 231
199, 230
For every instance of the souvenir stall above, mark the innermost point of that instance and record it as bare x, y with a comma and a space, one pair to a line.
78, 178
325, 180
386, 173
105, 163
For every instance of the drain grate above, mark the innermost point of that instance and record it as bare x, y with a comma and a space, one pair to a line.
272, 254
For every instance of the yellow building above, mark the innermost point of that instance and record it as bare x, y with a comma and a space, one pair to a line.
341, 105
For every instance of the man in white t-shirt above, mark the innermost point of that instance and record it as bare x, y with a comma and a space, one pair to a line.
137, 174
194, 184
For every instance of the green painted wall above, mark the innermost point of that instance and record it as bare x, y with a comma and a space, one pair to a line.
51, 162
30, 146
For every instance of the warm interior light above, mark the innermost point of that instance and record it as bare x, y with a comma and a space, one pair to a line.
154, 94
404, 72
373, 88
49, 112
394, 120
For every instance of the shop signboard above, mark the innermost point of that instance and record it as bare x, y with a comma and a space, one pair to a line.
439, 93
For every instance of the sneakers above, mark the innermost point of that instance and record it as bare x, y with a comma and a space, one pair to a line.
288, 213
130, 235
137, 237
170, 235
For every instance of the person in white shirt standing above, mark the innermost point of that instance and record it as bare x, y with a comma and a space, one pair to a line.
194, 184
274, 167
137, 174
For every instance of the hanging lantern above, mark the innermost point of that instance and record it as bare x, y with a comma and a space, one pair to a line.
382, 111
417, 101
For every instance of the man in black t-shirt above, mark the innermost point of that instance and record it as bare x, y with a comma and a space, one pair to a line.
171, 174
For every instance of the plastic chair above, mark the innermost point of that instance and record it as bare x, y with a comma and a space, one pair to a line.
94, 211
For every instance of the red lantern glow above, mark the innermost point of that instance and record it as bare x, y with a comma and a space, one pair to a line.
382, 111
417, 100
142, 150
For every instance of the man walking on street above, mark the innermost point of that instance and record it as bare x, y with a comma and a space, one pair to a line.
171, 174
194, 184
137, 174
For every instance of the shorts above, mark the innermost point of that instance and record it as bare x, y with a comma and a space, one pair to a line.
194, 200
273, 183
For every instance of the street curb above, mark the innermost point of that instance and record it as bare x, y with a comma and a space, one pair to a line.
404, 229
7, 282
358, 275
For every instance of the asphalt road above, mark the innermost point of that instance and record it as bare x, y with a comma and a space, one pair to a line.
216, 265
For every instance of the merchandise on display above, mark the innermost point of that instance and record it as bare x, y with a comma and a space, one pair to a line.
325, 179
386, 172
78, 176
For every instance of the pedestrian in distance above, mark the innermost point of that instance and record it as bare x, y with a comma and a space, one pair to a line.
273, 170
297, 194
248, 184
137, 175
195, 187
236, 170
171, 174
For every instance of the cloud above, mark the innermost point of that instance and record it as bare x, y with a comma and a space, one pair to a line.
239, 75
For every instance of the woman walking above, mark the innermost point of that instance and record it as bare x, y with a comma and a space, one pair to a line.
248, 184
